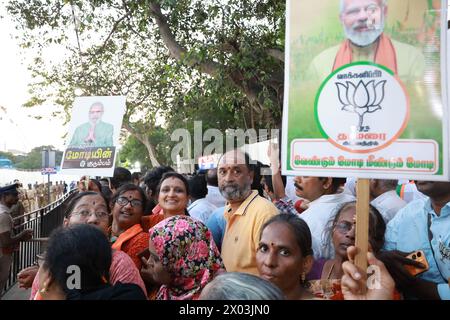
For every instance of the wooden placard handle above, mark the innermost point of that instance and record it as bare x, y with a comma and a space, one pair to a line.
362, 223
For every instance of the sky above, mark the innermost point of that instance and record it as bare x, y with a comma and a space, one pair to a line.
18, 129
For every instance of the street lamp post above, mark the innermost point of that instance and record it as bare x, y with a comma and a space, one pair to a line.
48, 161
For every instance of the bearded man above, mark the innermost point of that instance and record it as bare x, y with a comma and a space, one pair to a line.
245, 212
95, 132
363, 24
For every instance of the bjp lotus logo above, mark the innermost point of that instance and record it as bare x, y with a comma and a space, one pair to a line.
361, 99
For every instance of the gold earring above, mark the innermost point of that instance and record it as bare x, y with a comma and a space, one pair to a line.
303, 277
44, 289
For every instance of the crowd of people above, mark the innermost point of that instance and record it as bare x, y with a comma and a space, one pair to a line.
36, 196
234, 233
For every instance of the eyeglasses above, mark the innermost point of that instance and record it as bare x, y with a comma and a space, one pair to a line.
124, 201
86, 214
344, 227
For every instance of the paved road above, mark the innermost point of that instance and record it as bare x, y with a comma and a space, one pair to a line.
16, 293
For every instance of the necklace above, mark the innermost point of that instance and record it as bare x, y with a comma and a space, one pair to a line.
331, 271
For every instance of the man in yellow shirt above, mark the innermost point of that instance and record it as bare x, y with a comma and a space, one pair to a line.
245, 212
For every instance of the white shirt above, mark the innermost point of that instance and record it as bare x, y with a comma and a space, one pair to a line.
320, 212
388, 204
201, 210
409, 192
290, 189
215, 197
350, 186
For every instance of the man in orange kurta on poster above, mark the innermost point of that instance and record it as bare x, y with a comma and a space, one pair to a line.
363, 23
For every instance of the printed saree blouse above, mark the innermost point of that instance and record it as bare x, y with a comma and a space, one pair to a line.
187, 250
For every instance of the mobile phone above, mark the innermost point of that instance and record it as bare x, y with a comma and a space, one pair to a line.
144, 253
418, 256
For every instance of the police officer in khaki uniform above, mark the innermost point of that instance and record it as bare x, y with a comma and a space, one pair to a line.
31, 195
9, 196
53, 192
41, 195
18, 209
23, 196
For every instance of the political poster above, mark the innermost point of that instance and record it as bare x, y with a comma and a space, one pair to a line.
208, 162
366, 89
93, 135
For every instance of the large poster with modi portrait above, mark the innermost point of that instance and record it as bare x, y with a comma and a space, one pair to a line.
366, 89
93, 135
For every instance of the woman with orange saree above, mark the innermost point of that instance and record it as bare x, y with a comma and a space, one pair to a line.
128, 206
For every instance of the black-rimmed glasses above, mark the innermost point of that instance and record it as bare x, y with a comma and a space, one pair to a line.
124, 201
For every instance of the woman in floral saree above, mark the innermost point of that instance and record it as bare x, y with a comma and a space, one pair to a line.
183, 258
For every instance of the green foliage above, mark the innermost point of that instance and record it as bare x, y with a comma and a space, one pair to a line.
33, 160
213, 64
134, 150
8, 155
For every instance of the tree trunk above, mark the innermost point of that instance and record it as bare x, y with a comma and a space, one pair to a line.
151, 152
144, 140
251, 88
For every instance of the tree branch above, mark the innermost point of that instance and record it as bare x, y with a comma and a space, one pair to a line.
250, 87
127, 9
176, 50
116, 24
76, 27
143, 138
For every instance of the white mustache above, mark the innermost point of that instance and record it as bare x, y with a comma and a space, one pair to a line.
370, 26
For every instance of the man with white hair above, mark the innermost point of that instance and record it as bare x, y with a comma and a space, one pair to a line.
95, 132
363, 24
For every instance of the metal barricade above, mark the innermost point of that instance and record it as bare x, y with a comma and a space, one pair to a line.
42, 221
